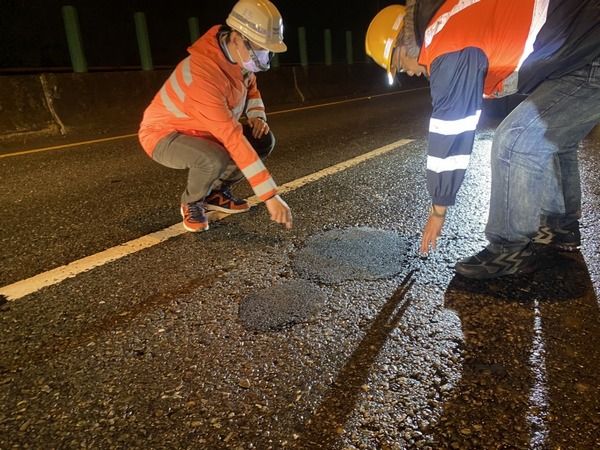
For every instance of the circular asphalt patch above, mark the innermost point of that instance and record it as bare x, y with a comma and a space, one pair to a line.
281, 305
352, 254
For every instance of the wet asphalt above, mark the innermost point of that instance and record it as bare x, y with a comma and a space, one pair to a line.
335, 334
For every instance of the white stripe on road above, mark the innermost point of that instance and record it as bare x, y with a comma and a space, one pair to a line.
293, 185
30, 285
132, 135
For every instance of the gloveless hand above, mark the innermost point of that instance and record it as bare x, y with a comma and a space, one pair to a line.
433, 229
279, 210
259, 127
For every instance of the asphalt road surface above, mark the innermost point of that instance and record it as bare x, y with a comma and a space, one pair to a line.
335, 334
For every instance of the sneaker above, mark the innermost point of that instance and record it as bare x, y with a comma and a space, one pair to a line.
224, 201
558, 239
194, 218
486, 264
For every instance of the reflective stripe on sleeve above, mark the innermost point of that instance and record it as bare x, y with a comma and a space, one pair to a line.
237, 111
439, 165
176, 87
255, 103
265, 187
186, 71
253, 169
454, 127
256, 113
164, 96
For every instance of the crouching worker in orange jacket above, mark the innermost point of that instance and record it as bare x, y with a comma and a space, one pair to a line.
193, 122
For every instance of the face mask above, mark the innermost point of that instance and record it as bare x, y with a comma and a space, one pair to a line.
264, 59
259, 60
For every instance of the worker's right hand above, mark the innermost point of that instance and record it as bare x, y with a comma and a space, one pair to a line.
433, 228
280, 212
259, 127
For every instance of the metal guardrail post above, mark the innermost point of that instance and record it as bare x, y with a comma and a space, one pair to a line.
141, 31
74, 41
194, 26
328, 50
349, 49
275, 61
302, 46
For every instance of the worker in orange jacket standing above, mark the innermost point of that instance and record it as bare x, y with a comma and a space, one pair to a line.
546, 49
193, 122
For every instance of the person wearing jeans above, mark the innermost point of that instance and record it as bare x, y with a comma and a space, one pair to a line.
209, 117
534, 161
470, 49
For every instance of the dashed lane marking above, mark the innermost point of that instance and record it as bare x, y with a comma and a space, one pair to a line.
30, 285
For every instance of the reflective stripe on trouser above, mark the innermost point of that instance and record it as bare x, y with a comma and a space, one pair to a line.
209, 164
534, 157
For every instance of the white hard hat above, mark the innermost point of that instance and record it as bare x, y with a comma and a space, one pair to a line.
260, 22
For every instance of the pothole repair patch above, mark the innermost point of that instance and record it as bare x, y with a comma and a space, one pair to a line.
281, 305
360, 253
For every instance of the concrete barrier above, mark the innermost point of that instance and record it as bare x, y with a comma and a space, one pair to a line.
103, 101
318, 82
92, 104
34, 109
24, 108
278, 88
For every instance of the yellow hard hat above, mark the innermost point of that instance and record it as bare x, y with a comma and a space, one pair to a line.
382, 36
260, 22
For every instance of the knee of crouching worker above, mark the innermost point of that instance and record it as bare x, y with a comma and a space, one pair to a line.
265, 145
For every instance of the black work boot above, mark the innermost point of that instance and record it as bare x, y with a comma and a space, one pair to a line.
560, 239
487, 264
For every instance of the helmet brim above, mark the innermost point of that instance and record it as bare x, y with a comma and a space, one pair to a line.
279, 47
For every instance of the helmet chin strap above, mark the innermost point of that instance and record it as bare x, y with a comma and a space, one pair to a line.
256, 59
244, 70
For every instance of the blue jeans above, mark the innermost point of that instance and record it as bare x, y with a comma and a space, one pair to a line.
535, 169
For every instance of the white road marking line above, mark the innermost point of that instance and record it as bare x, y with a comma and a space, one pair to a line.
274, 113
350, 100
295, 184
74, 144
28, 286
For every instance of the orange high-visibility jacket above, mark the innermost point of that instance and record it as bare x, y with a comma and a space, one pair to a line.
504, 30
493, 48
205, 96
524, 41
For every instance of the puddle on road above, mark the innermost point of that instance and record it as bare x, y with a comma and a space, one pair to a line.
360, 253
281, 305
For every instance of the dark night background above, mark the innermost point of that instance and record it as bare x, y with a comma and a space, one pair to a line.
33, 37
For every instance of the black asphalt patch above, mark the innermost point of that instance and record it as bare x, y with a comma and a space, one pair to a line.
281, 305
360, 253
